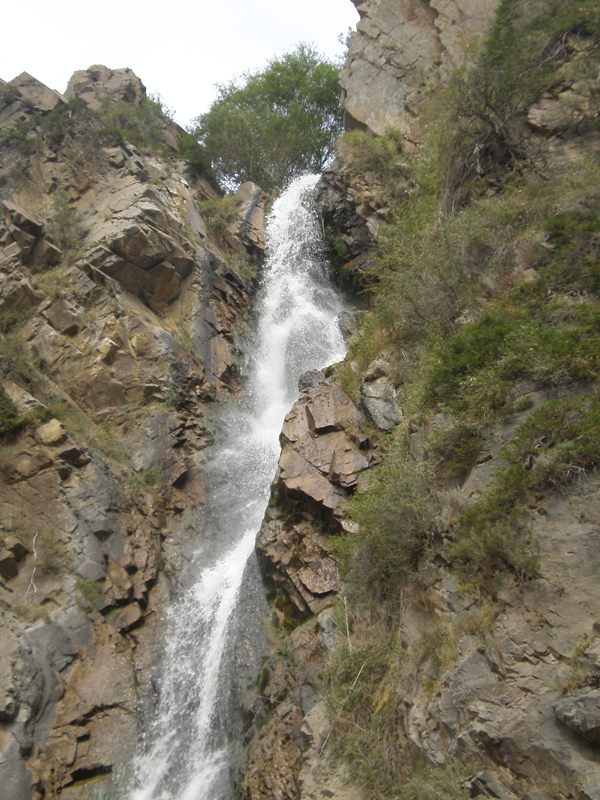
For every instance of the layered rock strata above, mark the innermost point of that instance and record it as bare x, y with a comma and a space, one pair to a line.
121, 313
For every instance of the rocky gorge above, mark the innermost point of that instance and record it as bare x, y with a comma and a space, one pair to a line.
430, 548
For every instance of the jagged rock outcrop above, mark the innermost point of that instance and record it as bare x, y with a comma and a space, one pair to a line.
98, 85
399, 51
323, 455
121, 311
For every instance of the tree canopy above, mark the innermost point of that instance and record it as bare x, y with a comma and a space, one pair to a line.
272, 125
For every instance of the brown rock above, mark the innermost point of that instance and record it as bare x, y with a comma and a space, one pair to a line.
97, 84
138, 243
63, 317
31, 90
118, 582
107, 350
128, 618
19, 218
299, 477
162, 287
16, 547
581, 714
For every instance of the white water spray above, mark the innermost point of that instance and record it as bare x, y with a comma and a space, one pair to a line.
188, 751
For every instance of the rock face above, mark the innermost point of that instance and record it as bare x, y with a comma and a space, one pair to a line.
120, 316
98, 85
509, 689
581, 714
323, 454
401, 48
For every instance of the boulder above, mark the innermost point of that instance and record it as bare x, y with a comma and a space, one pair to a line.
34, 92
323, 454
581, 714
249, 227
8, 564
378, 395
380, 401
99, 84
138, 243
63, 317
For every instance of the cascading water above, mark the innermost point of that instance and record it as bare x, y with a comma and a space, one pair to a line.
189, 749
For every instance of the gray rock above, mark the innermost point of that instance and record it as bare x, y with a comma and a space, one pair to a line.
311, 379
98, 84
581, 714
15, 778
349, 322
379, 399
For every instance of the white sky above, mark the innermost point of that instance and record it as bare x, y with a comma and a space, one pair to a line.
179, 48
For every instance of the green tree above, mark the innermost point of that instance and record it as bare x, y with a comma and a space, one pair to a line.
274, 124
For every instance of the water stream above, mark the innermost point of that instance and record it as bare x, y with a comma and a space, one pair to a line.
188, 752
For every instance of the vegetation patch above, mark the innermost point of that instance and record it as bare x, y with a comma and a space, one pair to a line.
89, 593
396, 516
10, 418
143, 478
488, 272
220, 212
87, 432
141, 123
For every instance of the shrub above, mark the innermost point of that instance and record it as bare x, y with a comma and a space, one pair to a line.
455, 449
19, 135
195, 154
371, 339
141, 123
10, 418
143, 478
63, 119
87, 432
365, 690
220, 212
490, 99
395, 516
49, 552
63, 225
556, 443
89, 592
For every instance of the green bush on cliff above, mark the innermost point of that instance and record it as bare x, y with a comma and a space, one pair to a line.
487, 300
140, 123
490, 98
274, 124
396, 517
9, 414
63, 224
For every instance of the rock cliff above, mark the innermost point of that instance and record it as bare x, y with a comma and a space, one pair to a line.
400, 51
461, 656
121, 306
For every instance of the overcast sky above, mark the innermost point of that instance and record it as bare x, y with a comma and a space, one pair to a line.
179, 48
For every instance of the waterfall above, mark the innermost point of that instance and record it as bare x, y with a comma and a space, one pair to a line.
187, 753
